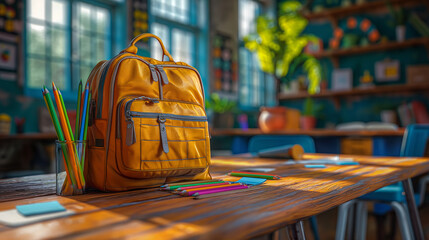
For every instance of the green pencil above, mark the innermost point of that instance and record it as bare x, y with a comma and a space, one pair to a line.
253, 175
85, 132
59, 131
188, 185
66, 115
79, 95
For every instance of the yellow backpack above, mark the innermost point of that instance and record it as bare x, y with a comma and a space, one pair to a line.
147, 124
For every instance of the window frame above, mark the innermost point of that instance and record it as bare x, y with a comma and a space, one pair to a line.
264, 86
117, 10
199, 29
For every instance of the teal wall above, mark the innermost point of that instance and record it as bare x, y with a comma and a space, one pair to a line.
366, 108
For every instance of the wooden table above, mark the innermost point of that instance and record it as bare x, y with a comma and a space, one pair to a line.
150, 213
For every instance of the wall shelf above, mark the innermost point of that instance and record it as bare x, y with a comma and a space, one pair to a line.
424, 41
399, 88
374, 6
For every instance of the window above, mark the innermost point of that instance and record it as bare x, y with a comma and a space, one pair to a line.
65, 39
179, 23
256, 88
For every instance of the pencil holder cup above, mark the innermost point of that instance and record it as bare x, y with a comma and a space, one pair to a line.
70, 159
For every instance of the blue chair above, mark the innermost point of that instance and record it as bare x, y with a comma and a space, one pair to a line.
413, 145
261, 142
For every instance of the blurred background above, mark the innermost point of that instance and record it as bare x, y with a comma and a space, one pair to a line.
331, 69
350, 73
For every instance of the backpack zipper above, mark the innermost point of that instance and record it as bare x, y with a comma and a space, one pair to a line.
130, 137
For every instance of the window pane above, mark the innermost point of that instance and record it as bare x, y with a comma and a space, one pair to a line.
37, 9
101, 20
36, 39
162, 32
247, 17
84, 12
84, 48
84, 73
58, 46
100, 47
58, 12
58, 75
36, 71
182, 46
177, 10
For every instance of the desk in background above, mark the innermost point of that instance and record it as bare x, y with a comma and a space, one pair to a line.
154, 214
26, 154
364, 142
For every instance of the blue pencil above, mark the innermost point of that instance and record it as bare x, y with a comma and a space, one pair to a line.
84, 112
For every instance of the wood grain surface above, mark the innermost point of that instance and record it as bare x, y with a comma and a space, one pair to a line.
150, 213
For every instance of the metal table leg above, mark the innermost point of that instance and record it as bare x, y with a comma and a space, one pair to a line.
412, 209
296, 231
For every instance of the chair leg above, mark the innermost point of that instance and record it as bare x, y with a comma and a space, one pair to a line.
361, 220
343, 211
313, 224
422, 185
403, 220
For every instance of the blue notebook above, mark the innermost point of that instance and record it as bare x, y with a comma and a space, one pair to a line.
251, 181
40, 208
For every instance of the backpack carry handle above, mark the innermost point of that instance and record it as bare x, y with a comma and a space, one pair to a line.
133, 49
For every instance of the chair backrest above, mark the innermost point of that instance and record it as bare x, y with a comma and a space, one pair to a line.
415, 140
261, 142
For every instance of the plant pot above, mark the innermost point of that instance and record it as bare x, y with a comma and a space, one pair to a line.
307, 122
272, 119
400, 33
223, 120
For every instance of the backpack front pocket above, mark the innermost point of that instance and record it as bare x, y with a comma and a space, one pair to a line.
162, 144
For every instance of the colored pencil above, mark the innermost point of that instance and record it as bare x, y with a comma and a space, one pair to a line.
256, 173
84, 112
210, 191
187, 185
66, 116
208, 185
78, 162
79, 93
189, 182
54, 118
197, 196
73, 163
190, 193
212, 187
85, 132
253, 175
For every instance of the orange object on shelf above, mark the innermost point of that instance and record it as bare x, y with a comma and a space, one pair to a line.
272, 119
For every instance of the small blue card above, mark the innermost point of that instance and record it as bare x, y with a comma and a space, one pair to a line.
40, 208
315, 166
251, 181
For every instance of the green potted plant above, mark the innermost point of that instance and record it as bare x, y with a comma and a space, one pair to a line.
308, 118
400, 18
279, 45
222, 111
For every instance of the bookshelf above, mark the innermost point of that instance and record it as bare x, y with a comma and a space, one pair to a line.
387, 89
368, 7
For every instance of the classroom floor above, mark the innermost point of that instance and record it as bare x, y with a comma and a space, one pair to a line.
327, 223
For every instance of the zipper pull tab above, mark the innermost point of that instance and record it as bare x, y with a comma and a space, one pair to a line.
163, 74
131, 132
163, 132
153, 72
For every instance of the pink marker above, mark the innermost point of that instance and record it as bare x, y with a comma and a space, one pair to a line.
200, 186
209, 191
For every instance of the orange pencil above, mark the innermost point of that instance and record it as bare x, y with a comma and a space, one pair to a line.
205, 188
67, 136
